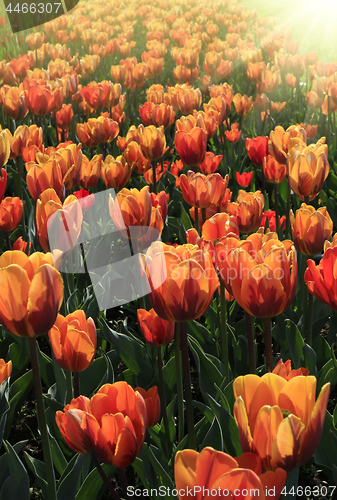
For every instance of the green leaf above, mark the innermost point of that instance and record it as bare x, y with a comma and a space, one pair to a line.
326, 451
213, 437
157, 459
185, 218
16, 486
93, 486
291, 482
67, 487
142, 467
61, 384
208, 373
38, 468
310, 358
4, 461
58, 458
100, 372
18, 355
295, 343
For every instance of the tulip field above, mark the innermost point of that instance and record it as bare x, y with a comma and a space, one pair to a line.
168, 254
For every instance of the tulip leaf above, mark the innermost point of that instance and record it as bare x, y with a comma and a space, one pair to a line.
326, 451
58, 458
132, 353
201, 334
310, 358
46, 368
4, 462
208, 373
67, 486
158, 460
4, 407
16, 486
38, 468
295, 342
335, 417
213, 437
61, 385
93, 486
170, 376
18, 355
291, 485
92, 377
143, 469
185, 218
322, 350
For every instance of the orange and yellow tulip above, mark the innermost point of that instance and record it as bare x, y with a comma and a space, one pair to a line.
10, 213
15, 102
243, 104
31, 293
244, 179
131, 208
5, 370
3, 183
286, 412
189, 281
5, 147
191, 146
310, 229
214, 474
321, 278
152, 142
210, 163
273, 171
90, 171
156, 330
203, 191
284, 370
112, 423
248, 209
73, 339
97, 131
116, 173
42, 177
257, 149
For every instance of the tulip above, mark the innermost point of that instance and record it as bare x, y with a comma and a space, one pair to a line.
145, 112
116, 173
307, 168
21, 245
321, 279
39, 178
176, 274
18, 141
31, 293
210, 163
273, 171
191, 146
40, 99
152, 142
284, 411
257, 149
202, 191
112, 423
3, 183
233, 135
243, 104
271, 216
310, 229
244, 179
97, 131
163, 115
152, 403
86, 200
248, 210
15, 103
5, 370
214, 474
64, 227
90, 171
73, 339
284, 370
220, 226
10, 213
64, 116
156, 331
5, 148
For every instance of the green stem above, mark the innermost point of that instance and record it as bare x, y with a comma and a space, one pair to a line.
123, 482
310, 318
203, 217
42, 419
163, 397
250, 339
179, 384
268, 344
77, 390
224, 339
69, 383
8, 241
187, 385
105, 478
276, 209
287, 212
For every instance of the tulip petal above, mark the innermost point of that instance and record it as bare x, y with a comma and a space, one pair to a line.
185, 465
243, 484
273, 483
14, 292
241, 419
286, 445
267, 422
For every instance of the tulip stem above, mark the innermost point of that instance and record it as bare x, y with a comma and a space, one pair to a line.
123, 481
196, 217
224, 339
179, 384
187, 385
250, 339
203, 216
287, 212
8, 241
50, 476
77, 390
104, 477
69, 382
154, 173
310, 318
276, 209
163, 397
268, 344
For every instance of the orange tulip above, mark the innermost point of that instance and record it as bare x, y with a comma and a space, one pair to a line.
64, 116
307, 168
112, 423
262, 279
220, 226
116, 173
191, 146
261, 103
15, 103
49, 222
31, 293
152, 403
69, 158
39, 178
189, 282
248, 210
271, 215
40, 99
274, 171
90, 171
257, 149
10, 213
21, 245
233, 135
286, 412
145, 112
131, 208
97, 131
310, 229
321, 278
214, 474
5, 370
18, 141
152, 142
202, 191
243, 104
5, 147
3, 183
73, 339
210, 163
284, 370
156, 330
163, 115
281, 141
244, 179
208, 121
